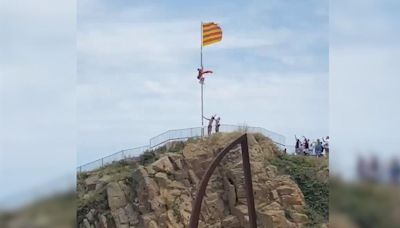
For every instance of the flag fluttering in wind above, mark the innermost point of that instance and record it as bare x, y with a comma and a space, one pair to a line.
211, 33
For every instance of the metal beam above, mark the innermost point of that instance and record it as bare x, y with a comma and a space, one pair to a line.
242, 140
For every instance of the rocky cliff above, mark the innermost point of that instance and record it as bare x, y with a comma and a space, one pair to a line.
157, 189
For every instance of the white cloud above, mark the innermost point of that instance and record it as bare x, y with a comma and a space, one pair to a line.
137, 75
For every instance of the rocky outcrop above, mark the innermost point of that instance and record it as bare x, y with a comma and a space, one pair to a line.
161, 194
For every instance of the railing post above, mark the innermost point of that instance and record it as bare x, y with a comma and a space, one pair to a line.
102, 162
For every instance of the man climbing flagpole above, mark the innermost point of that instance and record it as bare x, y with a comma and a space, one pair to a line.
210, 33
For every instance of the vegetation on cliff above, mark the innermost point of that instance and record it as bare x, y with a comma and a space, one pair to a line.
56, 210
312, 176
366, 204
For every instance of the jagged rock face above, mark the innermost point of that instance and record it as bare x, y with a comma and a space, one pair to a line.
163, 191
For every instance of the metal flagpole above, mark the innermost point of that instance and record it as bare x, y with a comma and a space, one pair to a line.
201, 45
201, 80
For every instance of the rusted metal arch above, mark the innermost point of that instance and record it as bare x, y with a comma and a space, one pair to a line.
242, 140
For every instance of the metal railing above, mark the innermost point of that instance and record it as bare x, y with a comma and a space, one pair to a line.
186, 133
120, 155
178, 135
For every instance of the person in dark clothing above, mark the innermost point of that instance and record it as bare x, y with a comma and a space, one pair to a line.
374, 170
201, 74
395, 171
217, 124
297, 147
362, 169
306, 146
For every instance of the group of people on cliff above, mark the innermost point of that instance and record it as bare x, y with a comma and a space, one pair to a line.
210, 123
373, 171
316, 147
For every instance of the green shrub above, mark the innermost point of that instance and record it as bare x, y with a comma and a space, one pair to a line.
176, 147
176, 209
304, 171
147, 157
368, 205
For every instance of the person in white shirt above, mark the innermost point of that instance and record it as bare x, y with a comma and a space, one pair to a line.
210, 122
326, 145
217, 124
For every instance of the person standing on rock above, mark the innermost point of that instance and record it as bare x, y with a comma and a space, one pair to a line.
210, 122
395, 171
298, 144
306, 145
319, 148
326, 145
374, 170
217, 124
362, 169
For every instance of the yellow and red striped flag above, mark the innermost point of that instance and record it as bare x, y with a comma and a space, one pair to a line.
211, 33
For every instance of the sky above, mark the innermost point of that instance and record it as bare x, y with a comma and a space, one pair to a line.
364, 82
137, 64
37, 97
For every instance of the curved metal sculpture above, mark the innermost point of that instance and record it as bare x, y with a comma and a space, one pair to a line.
242, 140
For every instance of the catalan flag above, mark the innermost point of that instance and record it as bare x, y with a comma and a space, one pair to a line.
211, 33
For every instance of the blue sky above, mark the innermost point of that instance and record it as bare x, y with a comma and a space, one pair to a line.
137, 66
364, 82
37, 97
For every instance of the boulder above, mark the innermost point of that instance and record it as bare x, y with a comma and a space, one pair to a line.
240, 211
193, 177
176, 160
103, 221
231, 194
91, 182
288, 200
115, 195
274, 196
90, 215
86, 224
285, 190
272, 218
162, 180
230, 222
163, 165
299, 218
152, 224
